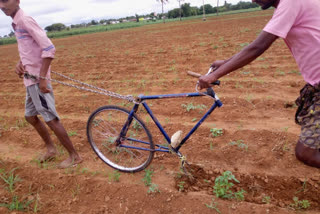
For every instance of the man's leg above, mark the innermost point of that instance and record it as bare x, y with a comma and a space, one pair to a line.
44, 134
63, 137
308, 155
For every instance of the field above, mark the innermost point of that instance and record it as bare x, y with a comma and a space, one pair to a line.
257, 124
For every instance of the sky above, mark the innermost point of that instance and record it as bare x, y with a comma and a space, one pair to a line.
47, 12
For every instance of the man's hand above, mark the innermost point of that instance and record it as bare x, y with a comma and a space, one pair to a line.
205, 81
20, 70
43, 86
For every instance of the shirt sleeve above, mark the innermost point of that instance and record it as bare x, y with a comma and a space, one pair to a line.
284, 18
40, 36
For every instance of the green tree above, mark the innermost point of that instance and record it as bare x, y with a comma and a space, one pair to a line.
207, 9
93, 22
186, 10
174, 13
55, 27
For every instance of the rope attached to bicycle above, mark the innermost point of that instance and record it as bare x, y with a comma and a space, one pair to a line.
95, 89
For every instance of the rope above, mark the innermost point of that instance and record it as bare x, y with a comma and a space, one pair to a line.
97, 90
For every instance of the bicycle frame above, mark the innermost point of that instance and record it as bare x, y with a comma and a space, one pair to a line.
143, 99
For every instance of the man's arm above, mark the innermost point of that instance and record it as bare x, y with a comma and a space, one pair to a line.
43, 73
244, 57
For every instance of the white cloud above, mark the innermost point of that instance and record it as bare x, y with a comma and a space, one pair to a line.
76, 11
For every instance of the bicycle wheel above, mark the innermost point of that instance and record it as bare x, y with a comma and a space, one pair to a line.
131, 152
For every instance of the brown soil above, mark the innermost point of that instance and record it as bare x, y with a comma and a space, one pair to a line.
258, 111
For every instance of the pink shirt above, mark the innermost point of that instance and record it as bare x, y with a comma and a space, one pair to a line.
298, 23
33, 45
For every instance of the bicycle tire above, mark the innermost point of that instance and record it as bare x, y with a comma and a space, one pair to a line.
103, 128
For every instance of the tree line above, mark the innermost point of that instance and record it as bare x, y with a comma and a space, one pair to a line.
186, 10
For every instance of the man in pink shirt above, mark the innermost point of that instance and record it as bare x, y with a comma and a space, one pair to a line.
36, 53
298, 23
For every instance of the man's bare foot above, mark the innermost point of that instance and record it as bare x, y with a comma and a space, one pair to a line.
70, 162
48, 156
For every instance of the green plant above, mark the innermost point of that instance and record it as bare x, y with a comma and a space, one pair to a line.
36, 203
147, 177
304, 186
223, 185
211, 145
10, 179
153, 188
43, 165
299, 204
239, 144
21, 123
114, 176
216, 132
181, 186
16, 204
136, 125
249, 97
294, 72
75, 191
72, 133
266, 199
280, 73
244, 44
213, 205
84, 170
190, 106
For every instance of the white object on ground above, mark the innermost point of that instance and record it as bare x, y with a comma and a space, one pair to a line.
176, 139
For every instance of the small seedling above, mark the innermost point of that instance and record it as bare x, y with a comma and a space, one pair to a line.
211, 145
16, 204
147, 177
239, 144
304, 186
216, 132
153, 188
299, 204
72, 133
10, 179
181, 186
213, 205
190, 106
266, 199
84, 170
114, 176
75, 191
136, 125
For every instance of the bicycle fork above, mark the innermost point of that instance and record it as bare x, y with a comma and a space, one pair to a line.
126, 126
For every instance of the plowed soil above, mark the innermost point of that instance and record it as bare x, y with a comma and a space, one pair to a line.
257, 119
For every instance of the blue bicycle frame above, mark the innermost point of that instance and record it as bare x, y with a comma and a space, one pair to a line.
160, 148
